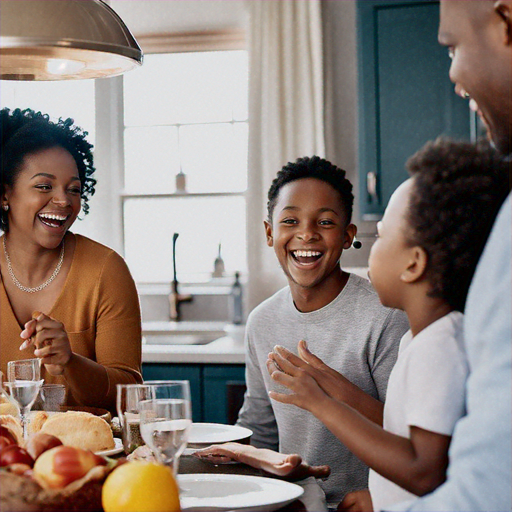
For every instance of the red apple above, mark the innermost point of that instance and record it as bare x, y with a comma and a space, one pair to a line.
4, 442
15, 454
40, 442
62, 465
5, 432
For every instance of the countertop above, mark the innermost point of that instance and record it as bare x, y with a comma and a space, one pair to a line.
221, 351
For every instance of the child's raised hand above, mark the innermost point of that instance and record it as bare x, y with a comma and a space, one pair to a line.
292, 372
332, 382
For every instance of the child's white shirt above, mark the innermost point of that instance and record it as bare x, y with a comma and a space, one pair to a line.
426, 389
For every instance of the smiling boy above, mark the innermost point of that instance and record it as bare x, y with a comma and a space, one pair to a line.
337, 313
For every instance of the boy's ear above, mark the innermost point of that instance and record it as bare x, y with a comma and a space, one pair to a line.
504, 10
416, 266
268, 233
350, 233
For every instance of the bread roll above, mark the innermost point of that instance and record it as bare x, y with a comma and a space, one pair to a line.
36, 421
8, 406
80, 429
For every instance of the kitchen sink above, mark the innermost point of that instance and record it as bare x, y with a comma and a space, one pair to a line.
182, 333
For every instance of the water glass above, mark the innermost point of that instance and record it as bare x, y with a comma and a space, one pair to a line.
127, 404
166, 420
24, 383
51, 397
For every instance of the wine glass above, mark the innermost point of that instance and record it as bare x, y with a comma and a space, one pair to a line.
166, 419
24, 382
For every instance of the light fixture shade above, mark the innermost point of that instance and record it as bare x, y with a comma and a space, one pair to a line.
63, 40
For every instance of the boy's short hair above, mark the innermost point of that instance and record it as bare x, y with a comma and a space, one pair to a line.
458, 189
312, 167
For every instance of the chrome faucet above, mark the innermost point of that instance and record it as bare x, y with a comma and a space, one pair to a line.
176, 298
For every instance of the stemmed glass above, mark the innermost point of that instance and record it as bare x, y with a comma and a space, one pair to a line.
166, 419
24, 382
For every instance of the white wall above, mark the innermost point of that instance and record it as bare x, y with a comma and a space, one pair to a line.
145, 17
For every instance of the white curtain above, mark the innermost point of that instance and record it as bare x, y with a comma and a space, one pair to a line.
286, 110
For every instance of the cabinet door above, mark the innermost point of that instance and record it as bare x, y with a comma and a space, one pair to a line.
215, 392
190, 372
405, 95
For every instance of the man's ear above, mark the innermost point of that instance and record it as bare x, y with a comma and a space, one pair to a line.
350, 233
416, 266
504, 10
268, 233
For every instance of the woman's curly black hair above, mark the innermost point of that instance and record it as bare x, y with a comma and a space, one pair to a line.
25, 132
458, 189
312, 167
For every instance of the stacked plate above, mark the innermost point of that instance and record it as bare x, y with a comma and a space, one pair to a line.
206, 434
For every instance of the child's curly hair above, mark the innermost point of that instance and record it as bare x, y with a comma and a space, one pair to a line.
25, 132
458, 189
312, 167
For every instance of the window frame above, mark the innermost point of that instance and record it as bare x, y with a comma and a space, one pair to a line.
183, 42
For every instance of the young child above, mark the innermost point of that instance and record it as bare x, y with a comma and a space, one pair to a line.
429, 242
339, 314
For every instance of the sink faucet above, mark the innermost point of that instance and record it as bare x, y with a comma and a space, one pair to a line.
176, 298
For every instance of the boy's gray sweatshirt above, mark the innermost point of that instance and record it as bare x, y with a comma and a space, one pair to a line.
356, 336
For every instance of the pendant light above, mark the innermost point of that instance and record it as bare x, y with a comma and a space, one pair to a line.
64, 40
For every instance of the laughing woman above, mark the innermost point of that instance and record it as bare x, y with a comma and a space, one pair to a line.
63, 298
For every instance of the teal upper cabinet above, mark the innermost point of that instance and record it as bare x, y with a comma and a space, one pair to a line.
405, 95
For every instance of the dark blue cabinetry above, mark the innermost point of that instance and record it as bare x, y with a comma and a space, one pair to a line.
405, 95
209, 386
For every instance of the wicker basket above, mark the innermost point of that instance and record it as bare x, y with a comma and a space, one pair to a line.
24, 494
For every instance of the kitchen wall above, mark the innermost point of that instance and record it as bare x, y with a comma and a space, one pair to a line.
341, 104
150, 17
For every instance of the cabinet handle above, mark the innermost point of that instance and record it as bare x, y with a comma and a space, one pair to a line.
371, 186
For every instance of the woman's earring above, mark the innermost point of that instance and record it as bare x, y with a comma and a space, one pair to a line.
6, 207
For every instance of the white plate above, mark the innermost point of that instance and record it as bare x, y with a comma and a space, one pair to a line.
118, 448
215, 493
214, 433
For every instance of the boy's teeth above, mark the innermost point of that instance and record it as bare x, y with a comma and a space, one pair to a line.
306, 254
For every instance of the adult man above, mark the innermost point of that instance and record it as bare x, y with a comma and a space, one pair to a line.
479, 37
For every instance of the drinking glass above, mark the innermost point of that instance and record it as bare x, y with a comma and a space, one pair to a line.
24, 383
127, 404
51, 397
166, 419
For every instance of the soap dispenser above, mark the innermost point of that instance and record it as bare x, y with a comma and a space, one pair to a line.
218, 265
235, 301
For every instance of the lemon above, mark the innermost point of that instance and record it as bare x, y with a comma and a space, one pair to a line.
141, 487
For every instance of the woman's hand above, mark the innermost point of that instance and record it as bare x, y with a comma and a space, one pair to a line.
50, 340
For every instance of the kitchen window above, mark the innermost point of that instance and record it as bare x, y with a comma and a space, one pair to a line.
185, 119
185, 110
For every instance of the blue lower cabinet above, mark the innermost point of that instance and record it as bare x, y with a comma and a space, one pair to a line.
190, 372
220, 386
216, 389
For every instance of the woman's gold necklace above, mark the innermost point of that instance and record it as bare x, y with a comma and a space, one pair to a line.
41, 286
